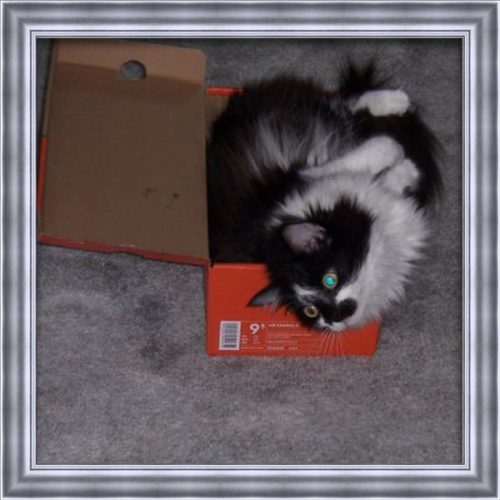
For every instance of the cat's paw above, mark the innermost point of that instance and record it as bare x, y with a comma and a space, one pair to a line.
401, 178
383, 102
317, 157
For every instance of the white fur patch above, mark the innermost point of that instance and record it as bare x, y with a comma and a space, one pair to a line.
372, 156
278, 146
383, 102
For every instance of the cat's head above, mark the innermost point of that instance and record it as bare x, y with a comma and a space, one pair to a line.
339, 252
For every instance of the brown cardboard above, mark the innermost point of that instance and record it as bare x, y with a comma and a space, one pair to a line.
125, 160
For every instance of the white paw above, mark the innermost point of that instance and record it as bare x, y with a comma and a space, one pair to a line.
317, 157
382, 151
401, 178
383, 102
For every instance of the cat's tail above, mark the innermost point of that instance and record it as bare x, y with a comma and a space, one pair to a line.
357, 79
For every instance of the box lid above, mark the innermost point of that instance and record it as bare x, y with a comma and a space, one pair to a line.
125, 156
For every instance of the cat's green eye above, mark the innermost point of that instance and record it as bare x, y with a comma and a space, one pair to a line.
311, 311
330, 280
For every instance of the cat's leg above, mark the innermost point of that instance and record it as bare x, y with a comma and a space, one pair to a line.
377, 103
373, 156
383, 102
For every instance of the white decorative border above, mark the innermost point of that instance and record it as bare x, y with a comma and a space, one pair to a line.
475, 22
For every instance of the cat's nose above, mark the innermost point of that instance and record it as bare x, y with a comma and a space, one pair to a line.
344, 309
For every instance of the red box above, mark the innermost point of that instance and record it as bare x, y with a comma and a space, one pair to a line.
105, 185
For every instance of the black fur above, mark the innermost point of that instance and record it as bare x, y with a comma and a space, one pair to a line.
239, 201
355, 80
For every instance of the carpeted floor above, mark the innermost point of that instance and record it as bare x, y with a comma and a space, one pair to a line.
122, 375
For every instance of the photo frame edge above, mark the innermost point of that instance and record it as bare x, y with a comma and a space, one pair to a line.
22, 22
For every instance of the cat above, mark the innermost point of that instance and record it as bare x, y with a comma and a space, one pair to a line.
331, 190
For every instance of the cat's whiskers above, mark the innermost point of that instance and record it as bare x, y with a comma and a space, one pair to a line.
324, 342
340, 343
334, 344
329, 341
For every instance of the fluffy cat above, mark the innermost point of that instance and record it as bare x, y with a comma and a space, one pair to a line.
329, 190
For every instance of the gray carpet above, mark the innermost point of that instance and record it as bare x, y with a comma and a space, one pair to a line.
122, 375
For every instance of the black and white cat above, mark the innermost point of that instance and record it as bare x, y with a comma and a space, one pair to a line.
329, 190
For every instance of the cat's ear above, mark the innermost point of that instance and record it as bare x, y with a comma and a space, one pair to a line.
305, 237
267, 296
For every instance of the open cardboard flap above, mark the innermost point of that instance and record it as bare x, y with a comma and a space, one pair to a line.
125, 157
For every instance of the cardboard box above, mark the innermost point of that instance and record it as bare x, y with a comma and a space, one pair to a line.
122, 169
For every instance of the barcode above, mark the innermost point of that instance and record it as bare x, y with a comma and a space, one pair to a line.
229, 335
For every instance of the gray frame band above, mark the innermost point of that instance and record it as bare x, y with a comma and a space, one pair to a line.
476, 23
